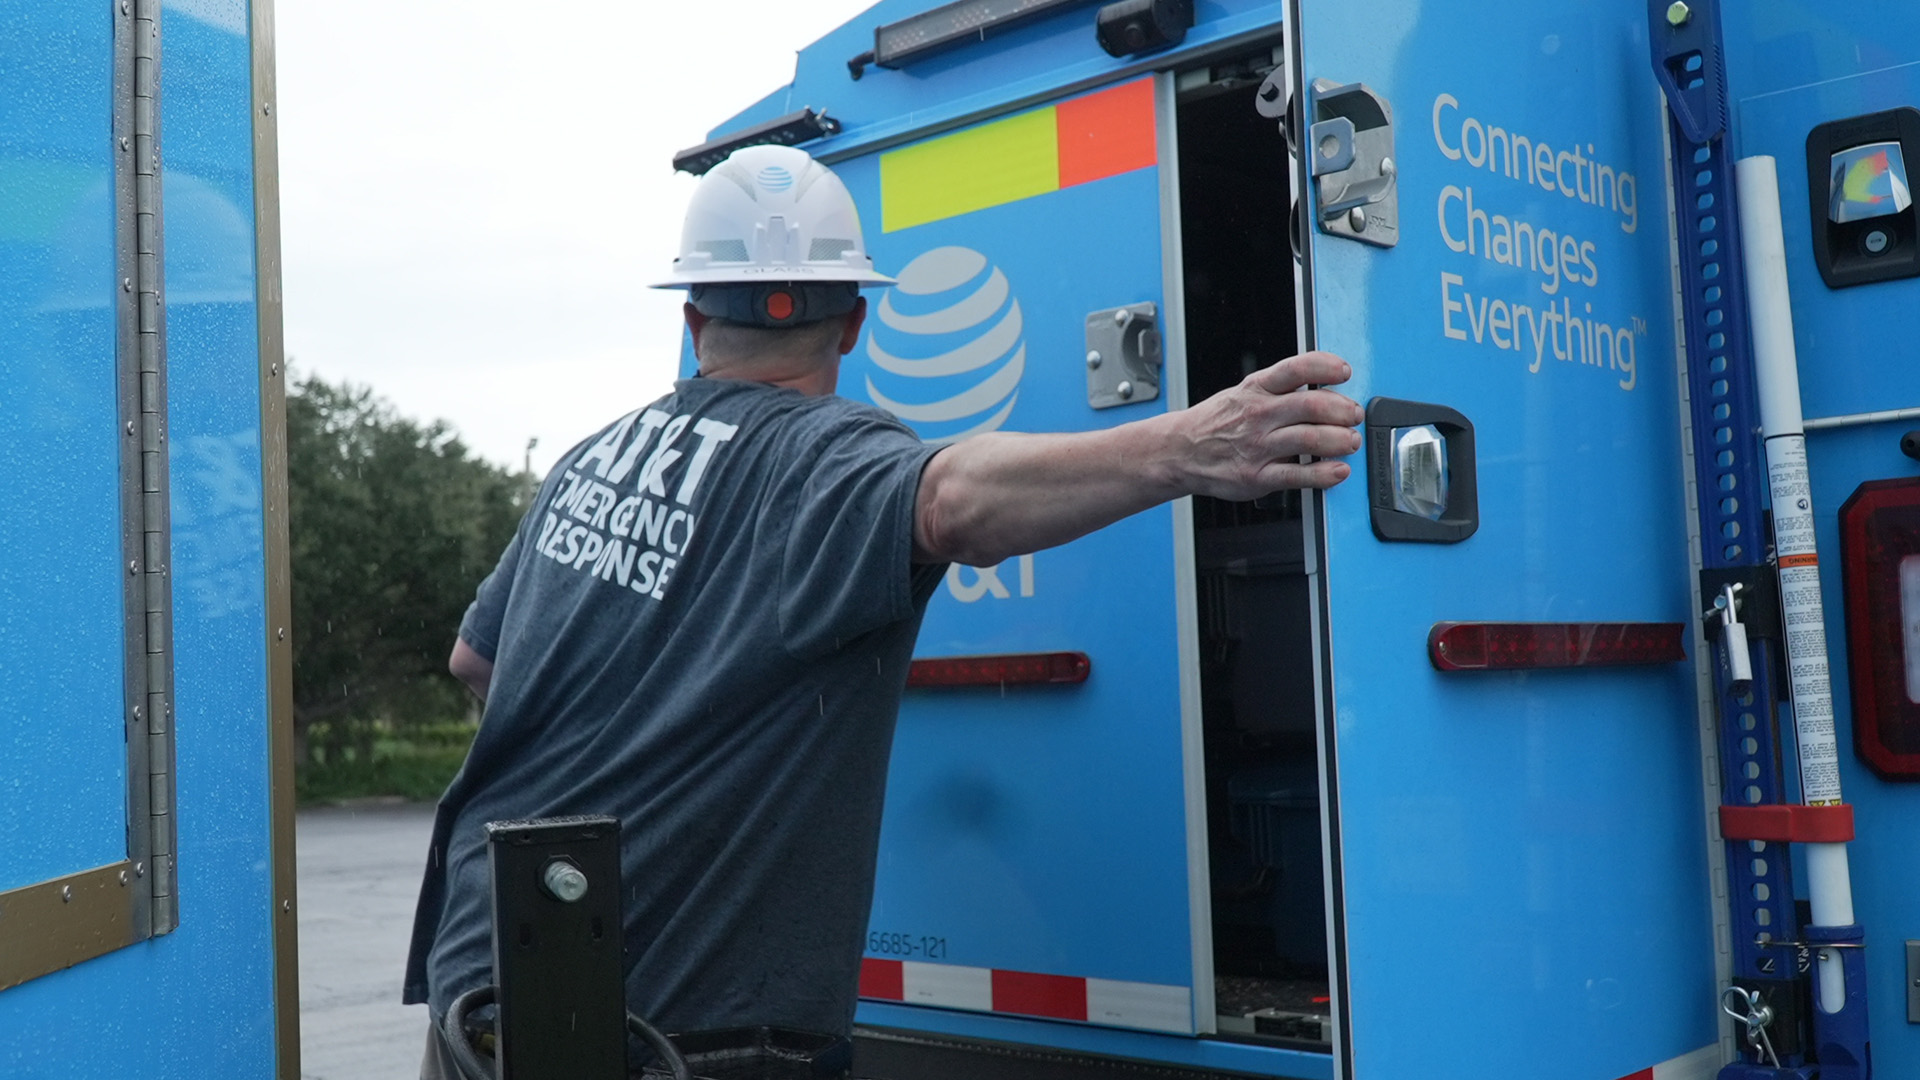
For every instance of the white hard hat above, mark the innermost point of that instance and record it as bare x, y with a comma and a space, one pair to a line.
771, 213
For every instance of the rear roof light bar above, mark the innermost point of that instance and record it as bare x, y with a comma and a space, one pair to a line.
1528, 646
1010, 669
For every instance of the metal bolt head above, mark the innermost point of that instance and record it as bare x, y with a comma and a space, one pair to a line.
1678, 14
286, 905
139, 869
129, 427
133, 567
1357, 218
126, 284
564, 881
1387, 167
124, 877
1093, 358
1125, 390
281, 633
66, 894
1122, 317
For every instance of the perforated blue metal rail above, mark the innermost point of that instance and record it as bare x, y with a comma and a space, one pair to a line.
1729, 472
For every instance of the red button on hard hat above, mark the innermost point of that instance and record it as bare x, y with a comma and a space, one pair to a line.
779, 305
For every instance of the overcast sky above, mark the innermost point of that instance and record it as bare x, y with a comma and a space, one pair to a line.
474, 195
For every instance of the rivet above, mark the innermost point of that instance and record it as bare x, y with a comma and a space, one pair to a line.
1678, 14
129, 427
1093, 358
286, 905
1387, 167
1357, 218
273, 369
124, 877
124, 144
133, 566
266, 107
125, 7
281, 633
66, 894
137, 714
139, 869
1122, 317
1125, 390
126, 284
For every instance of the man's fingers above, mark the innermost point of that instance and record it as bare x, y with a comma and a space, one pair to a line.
1313, 407
1320, 440
1288, 474
1320, 368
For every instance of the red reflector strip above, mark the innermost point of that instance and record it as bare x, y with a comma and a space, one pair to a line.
882, 979
1490, 646
1013, 669
1788, 824
1062, 997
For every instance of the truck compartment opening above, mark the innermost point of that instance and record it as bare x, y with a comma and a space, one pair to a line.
1256, 670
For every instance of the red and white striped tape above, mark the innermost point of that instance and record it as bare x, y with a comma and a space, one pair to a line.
1147, 1006
1702, 1064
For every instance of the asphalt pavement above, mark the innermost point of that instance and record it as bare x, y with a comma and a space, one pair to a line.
359, 874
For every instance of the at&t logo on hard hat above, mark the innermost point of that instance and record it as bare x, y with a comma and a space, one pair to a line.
946, 345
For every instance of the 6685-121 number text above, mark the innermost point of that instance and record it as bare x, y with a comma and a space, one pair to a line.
911, 946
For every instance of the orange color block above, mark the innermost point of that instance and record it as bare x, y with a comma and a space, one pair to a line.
1106, 133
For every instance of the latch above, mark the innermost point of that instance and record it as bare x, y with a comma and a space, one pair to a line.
1123, 355
1350, 148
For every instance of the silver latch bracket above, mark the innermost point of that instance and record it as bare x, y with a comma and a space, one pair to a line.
1350, 148
1123, 355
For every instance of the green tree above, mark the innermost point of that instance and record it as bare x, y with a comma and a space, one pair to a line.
394, 524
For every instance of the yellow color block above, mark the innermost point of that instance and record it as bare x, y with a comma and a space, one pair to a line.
1001, 162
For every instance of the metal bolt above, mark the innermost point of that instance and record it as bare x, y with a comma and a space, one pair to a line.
273, 369
266, 107
564, 881
1678, 14
1125, 390
124, 877
139, 869
126, 284
124, 144
1357, 218
286, 905
66, 894
133, 567
1093, 358
125, 7
1387, 167
281, 633
129, 427
1122, 317
137, 713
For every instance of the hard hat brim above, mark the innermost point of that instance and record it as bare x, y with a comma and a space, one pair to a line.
740, 275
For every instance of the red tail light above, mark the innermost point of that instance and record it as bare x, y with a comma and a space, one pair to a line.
1013, 669
1489, 646
1880, 566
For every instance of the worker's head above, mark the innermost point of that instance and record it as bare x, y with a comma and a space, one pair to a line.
773, 261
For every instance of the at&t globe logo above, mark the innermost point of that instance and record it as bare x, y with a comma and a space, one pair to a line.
946, 346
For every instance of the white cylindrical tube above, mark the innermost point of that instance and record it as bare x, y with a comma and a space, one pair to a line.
1802, 614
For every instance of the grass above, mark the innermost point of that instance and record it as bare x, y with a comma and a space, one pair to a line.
415, 765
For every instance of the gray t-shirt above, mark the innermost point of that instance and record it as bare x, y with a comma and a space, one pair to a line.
703, 629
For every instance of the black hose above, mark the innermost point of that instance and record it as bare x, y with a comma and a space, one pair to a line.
669, 1053
453, 1032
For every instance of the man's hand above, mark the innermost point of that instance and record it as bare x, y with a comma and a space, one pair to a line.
997, 495
1245, 442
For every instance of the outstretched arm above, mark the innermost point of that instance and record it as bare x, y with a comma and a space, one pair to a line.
1002, 494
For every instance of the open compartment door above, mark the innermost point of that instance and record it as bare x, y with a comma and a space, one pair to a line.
1037, 856
1517, 864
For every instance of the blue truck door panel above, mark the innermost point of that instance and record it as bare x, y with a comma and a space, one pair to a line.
1789, 70
1035, 856
1521, 847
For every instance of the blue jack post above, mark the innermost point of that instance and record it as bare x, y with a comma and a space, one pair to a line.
1785, 1032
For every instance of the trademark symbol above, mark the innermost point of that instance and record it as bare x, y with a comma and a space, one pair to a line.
1640, 326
